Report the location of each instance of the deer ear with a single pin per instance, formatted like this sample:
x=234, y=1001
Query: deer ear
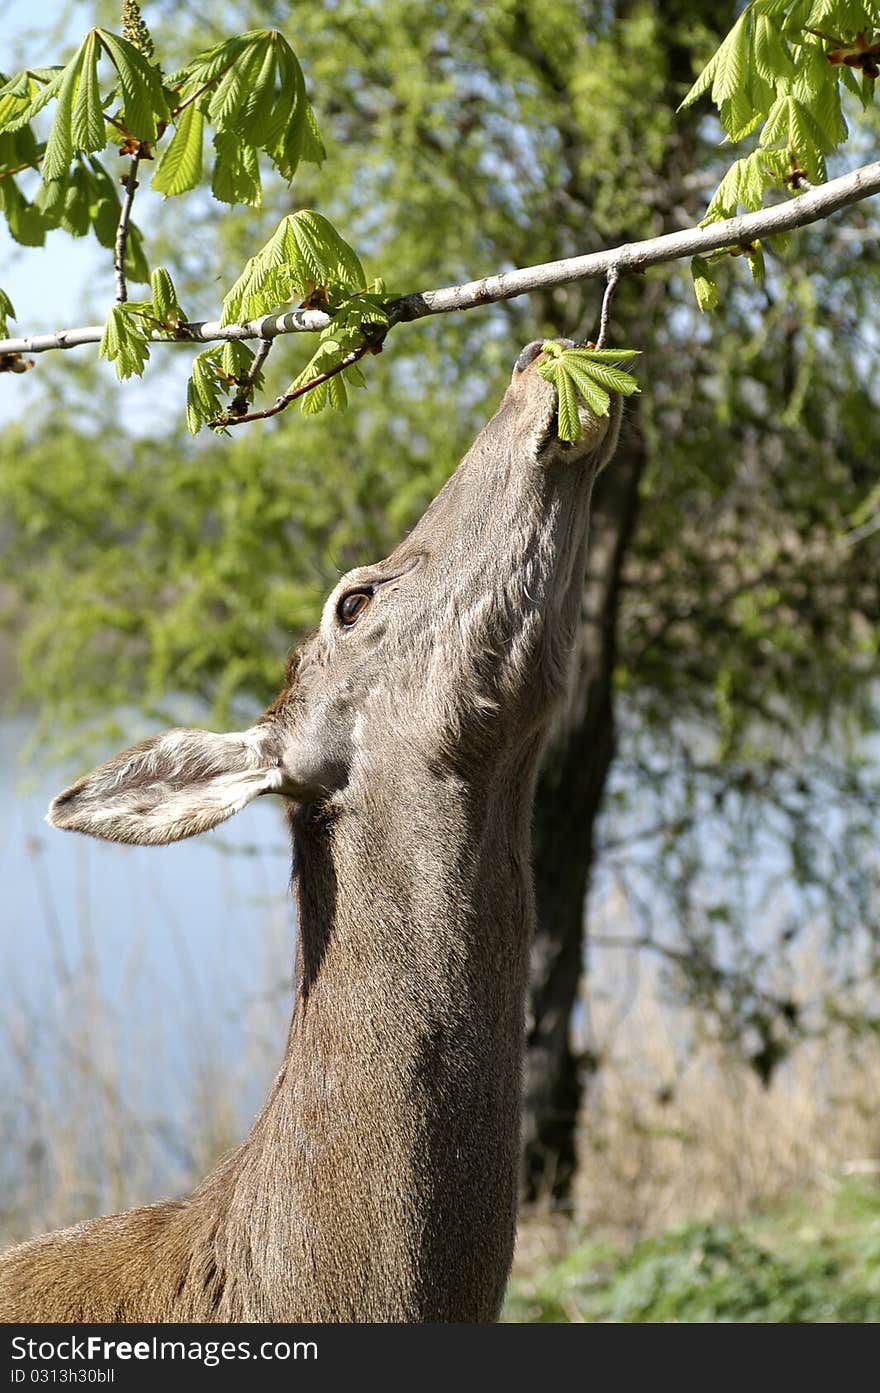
x=172, y=786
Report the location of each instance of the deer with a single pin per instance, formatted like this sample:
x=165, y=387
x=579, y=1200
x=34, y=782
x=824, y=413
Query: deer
x=379, y=1180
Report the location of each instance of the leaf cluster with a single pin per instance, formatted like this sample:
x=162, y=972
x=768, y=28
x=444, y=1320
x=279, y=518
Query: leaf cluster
x=251, y=90
x=591, y=374
x=780, y=74
x=131, y=323
x=304, y=259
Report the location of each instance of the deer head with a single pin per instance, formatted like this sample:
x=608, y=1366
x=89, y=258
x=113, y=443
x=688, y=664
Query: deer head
x=448, y=652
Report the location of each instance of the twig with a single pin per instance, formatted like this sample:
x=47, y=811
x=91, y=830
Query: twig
x=194, y=96
x=611, y=283
x=238, y=405
x=281, y=403
x=806, y=208
x=17, y=168
x=130, y=185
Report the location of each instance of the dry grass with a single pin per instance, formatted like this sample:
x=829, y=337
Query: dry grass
x=103, y=1107
x=677, y=1127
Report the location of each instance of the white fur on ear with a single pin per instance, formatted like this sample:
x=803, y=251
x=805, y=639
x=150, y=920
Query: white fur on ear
x=172, y=786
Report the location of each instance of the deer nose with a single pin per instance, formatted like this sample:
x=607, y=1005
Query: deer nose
x=528, y=355
x=532, y=351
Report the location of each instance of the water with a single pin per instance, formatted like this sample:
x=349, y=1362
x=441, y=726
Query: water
x=150, y=981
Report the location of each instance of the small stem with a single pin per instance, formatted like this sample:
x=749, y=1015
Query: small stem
x=281, y=403
x=112, y=121
x=194, y=96
x=16, y=169
x=238, y=405
x=611, y=283
x=130, y=185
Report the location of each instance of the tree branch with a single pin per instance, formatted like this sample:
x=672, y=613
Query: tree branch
x=239, y=404
x=282, y=402
x=810, y=207
x=611, y=283
x=130, y=184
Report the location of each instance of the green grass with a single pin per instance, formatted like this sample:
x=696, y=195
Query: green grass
x=807, y=1262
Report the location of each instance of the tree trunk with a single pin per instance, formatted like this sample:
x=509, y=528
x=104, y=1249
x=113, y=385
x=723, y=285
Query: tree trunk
x=569, y=796
x=580, y=753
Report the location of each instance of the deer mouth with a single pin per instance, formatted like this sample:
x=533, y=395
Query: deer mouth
x=534, y=350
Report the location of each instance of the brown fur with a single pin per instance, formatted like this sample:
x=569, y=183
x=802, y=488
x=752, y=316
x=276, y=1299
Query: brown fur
x=379, y=1181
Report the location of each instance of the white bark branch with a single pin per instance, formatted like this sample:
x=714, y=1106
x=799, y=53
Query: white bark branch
x=809, y=207
x=130, y=184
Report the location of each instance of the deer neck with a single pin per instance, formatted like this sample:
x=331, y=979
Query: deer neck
x=387, y=1152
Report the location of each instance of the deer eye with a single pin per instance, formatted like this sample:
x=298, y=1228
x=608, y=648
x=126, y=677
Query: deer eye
x=352, y=606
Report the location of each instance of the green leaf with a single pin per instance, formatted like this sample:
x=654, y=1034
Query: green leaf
x=26, y=224
x=50, y=198
x=135, y=265
x=743, y=184
x=588, y=373
x=569, y=420
x=755, y=257
x=851, y=82
x=247, y=296
x=255, y=118
x=236, y=359
x=143, y=95
x=606, y=376
x=601, y=355
x=165, y=305
x=18, y=148
x=322, y=253
x=294, y=133
x=26, y=95
x=203, y=391
x=123, y=342
x=105, y=203
x=195, y=416
x=315, y=400
x=702, y=84
x=88, y=126
x=75, y=216
x=705, y=287
x=336, y=392
x=59, y=146
x=305, y=251
x=730, y=86
x=236, y=171
x=234, y=88
x=354, y=377
x=771, y=54
x=208, y=64
x=256, y=93
x=6, y=312
x=180, y=167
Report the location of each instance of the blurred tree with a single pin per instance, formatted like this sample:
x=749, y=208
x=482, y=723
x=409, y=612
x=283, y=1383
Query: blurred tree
x=723, y=681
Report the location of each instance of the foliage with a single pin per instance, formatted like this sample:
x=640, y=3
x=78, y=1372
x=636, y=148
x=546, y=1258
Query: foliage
x=774, y=67
x=589, y=373
x=785, y=67
x=793, y=1267
x=251, y=91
